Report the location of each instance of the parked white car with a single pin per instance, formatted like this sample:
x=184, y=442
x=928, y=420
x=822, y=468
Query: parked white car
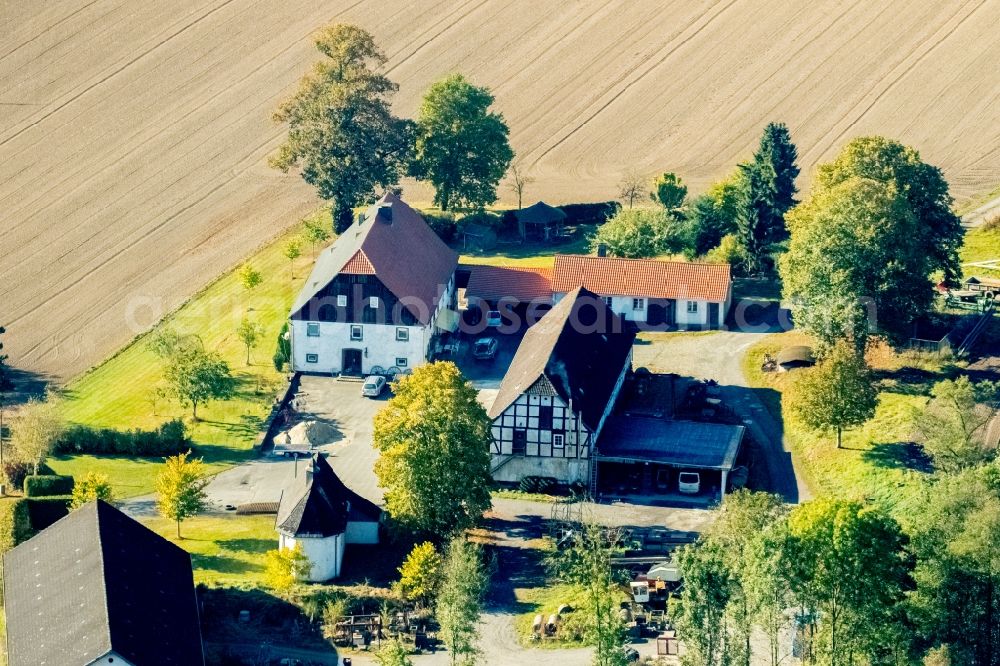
x=373, y=386
x=689, y=483
x=493, y=319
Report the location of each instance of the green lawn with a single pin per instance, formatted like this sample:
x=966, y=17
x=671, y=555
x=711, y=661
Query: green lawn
x=532, y=254
x=225, y=550
x=118, y=392
x=980, y=245
x=877, y=462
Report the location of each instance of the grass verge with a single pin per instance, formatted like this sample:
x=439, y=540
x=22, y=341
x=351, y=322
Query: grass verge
x=119, y=392
x=546, y=601
x=980, y=244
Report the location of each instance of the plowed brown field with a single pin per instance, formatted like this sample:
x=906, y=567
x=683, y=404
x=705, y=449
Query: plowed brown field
x=133, y=134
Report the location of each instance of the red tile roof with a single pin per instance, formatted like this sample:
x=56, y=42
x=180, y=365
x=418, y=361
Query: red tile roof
x=491, y=283
x=642, y=278
x=358, y=265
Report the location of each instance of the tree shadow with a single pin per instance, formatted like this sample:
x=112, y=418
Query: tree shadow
x=248, y=545
x=25, y=386
x=222, y=563
x=899, y=455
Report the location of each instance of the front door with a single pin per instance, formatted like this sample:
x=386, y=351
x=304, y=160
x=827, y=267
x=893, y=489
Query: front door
x=352, y=362
x=656, y=315
x=713, y=315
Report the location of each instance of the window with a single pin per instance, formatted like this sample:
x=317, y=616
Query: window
x=608, y=301
x=558, y=441
x=638, y=303
x=312, y=358
x=402, y=334
x=312, y=330
x=545, y=417
x=373, y=302
x=357, y=333
x=342, y=300
x=692, y=307
x=401, y=362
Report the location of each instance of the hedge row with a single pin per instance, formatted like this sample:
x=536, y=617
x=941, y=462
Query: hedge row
x=590, y=213
x=48, y=485
x=15, y=523
x=167, y=440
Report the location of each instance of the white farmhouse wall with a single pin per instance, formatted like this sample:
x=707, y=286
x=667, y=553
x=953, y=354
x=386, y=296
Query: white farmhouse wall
x=379, y=340
x=566, y=470
x=326, y=554
x=365, y=532
x=685, y=318
x=623, y=306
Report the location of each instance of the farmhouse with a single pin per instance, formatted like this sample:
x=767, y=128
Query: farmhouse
x=378, y=298
x=650, y=291
x=559, y=390
x=97, y=587
x=323, y=515
x=488, y=286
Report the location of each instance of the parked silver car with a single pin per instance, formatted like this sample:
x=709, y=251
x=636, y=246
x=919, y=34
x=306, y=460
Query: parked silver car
x=373, y=386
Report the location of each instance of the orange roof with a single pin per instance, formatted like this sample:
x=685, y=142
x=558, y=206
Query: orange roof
x=358, y=264
x=642, y=278
x=491, y=283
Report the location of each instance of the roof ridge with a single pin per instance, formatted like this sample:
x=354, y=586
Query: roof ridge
x=103, y=570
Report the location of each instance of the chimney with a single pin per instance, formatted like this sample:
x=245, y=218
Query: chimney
x=361, y=218
x=602, y=250
x=309, y=471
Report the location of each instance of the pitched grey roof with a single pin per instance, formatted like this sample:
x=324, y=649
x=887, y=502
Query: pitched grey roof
x=394, y=242
x=95, y=582
x=319, y=504
x=540, y=213
x=580, y=347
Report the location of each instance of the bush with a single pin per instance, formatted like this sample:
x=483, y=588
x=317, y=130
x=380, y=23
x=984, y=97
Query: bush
x=283, y=349
x=43, y=511
x=48, y=485
x=639, y=233
x=15, y=523
x=590, y=213
x=991, y=224
x=167, y=440
x=538, y=484
x=443, y=225
x=15, y=472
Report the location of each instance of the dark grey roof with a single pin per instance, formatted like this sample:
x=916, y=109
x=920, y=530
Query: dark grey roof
x=580, y=346
x=393, y=241
x=680, y=443
x=97, y=582
x=319, y=504
x=796, y=355
x=540, y=213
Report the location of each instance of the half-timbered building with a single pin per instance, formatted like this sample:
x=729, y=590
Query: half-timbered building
x=559, y=390
x=377, y=298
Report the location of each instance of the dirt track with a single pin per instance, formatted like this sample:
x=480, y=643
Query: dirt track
x=133, y=134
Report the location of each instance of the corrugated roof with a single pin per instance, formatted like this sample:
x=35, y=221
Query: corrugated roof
x=681, y=443
x=97, y=581
x=393, y=242
x=319, y=504
x=642, y=278
x=580, y=347
x=492, y=283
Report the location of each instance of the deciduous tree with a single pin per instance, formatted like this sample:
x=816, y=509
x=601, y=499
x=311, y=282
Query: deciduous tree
x=638, y=233
x=631, y=187
x=249, y=333
x=433, y=441
x=854, y=265
x=838, y=393
x=849, y=569
x=341, y=130
x=6, y=385
x=670, y=192
x=420, y=574
x=94, y=486
x=519, y=180
x=712, y=215
x=284, y=567
x=180, y=489
x=292, y=251
x=700, y=611
x=250, y=278
x=38, y=426
x=194, y=375
x=953, y=426
x=315, y=233
x=459, y=601
x=461, y=146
